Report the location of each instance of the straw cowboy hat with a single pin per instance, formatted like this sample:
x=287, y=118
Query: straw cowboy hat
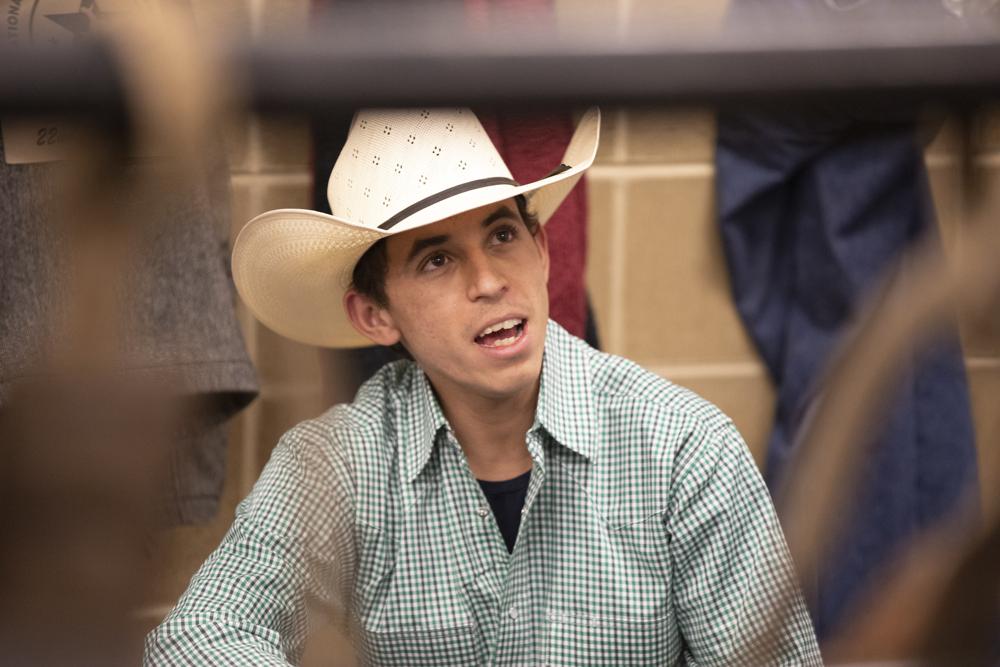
x=399, y=170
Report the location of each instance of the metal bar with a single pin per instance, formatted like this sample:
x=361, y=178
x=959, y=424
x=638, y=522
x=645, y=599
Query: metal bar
x=84, y=79
x=435, y=60
x=325, y=80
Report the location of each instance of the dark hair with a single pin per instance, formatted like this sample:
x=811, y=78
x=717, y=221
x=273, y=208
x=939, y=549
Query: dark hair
x=370, y=271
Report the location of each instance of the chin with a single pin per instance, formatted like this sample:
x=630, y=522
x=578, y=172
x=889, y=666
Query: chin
x=517, y=381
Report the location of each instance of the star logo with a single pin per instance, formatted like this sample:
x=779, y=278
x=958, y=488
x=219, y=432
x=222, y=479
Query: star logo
x=80, y=22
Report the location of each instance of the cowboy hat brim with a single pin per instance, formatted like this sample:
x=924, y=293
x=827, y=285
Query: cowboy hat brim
x=292, y=266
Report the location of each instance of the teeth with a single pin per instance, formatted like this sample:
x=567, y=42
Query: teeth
x=505, y=342
x=507, y=324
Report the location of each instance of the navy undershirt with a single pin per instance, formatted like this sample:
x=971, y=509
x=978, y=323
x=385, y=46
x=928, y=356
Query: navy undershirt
x=506, y=499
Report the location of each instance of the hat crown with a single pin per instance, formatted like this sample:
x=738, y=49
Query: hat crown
x=396, y=158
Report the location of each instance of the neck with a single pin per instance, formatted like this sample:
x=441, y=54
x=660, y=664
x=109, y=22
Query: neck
x=492, y=431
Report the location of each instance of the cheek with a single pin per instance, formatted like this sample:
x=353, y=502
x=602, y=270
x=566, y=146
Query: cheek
x=427, y=318
x=428, y=329
x=432, y=339
x=530, y=272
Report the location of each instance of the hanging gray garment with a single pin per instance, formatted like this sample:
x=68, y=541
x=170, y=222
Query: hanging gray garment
x=181, y=303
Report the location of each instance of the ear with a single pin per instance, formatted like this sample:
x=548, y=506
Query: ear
x=542, y=243
x=370, y=319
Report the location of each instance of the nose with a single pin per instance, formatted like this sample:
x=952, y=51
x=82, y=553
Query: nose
x=485, y=279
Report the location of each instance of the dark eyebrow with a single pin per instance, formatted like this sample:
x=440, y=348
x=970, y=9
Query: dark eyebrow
x=420, y=244
x=502, y=212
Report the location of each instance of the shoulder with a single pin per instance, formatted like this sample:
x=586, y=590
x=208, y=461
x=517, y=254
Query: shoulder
x=625, y=390
x=653, y=428
x=353, y=433
x=629, y=401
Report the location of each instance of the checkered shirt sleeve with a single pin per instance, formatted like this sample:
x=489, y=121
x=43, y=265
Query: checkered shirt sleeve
x=290, y=547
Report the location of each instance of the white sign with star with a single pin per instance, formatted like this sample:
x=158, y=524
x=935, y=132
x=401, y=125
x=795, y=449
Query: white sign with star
x=54, y=23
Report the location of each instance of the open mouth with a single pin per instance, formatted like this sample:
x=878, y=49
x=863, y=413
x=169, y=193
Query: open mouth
x=501, y=334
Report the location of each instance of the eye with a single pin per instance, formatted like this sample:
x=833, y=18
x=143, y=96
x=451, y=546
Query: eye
x=505, y=234
x=434, y=262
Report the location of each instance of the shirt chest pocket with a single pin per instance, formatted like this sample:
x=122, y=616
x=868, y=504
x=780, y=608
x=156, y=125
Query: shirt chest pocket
x=593, y=639
x=613, y=608
x=411, y=614
x=444, y=646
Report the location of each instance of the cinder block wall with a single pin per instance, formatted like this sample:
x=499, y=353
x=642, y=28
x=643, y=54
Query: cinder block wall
x=656, y=274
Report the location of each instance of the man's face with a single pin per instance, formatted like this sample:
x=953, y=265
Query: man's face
x=468, y=298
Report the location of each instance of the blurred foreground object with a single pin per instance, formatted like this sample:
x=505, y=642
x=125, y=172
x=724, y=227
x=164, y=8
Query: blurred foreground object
x=86, y=429
x=940, y=600
x=80, y=456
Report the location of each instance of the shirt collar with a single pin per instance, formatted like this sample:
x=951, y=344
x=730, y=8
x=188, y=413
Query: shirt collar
x=428, y=420
x=565, y=404
x=565, y=400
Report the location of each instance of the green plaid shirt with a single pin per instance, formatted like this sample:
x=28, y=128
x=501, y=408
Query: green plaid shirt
x=647, y=535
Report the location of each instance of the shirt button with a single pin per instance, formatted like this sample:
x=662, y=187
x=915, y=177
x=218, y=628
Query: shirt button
x=483, y=512
x=512, y=612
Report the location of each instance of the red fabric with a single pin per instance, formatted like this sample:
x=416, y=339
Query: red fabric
x=532, y=13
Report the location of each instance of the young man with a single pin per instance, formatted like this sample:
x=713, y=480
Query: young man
x=511, y=496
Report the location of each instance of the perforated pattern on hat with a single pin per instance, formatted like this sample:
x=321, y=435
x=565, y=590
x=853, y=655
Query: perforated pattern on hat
x=432, y=151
